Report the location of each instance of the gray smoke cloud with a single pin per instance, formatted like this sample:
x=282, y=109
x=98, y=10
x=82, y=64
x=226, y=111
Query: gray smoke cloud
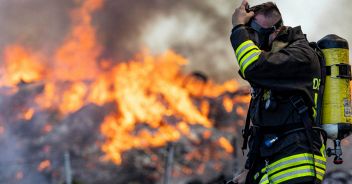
x=198, y=30
x=38, y=24
x=202, y=34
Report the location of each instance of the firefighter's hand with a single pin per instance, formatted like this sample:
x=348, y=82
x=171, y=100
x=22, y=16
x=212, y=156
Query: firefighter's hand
x=241, y=16
x=241, y=178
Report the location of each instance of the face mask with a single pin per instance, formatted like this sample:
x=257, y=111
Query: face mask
x=264, y=33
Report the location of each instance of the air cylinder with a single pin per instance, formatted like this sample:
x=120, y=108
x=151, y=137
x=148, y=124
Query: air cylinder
x=336, y=112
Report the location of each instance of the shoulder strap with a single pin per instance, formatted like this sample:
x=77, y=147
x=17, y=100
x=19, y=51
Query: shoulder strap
x=299, y=104
x=302, y=109
x=246, y=132
x=318, y=51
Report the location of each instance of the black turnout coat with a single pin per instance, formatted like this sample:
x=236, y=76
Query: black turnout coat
x=291, y=68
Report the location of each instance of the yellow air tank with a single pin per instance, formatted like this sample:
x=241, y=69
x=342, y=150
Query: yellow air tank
x=336, y=104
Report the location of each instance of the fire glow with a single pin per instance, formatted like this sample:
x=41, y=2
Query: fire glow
x=43, y=165
x=152, y=97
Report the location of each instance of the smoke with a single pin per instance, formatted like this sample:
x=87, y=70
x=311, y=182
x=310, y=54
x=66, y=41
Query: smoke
x=38, y=24
x=199, y=30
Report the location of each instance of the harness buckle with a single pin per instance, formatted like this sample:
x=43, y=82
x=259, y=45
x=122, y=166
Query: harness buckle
x=299, y=104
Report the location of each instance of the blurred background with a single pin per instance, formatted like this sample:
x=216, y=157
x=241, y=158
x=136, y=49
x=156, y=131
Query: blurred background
x=117, y=91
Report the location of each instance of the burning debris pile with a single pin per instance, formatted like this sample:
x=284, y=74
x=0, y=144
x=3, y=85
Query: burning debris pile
x=116, y=121
x=121, y=132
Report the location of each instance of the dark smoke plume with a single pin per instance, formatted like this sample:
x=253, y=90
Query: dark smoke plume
x=198, y=30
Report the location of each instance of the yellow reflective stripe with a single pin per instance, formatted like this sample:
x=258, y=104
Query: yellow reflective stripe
x=297, y=172
x=298, y=175
x=318, y=159
x=264, y=179
x=315, y=99
x=320, y=165
x=315, y=105
x=314, y=113
x=246, y=49
x=254, y=57
x=248, y=56
x=293, y=173
x=263, y=170
x=295, y=162
x=243, y=44
x=322, y=151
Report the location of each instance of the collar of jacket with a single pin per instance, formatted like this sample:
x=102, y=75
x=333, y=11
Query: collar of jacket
x=290, y=35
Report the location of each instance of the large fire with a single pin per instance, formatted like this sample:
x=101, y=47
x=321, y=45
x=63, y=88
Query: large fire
x=153, y=98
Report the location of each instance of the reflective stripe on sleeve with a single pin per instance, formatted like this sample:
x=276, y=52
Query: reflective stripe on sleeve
x=246, y=54
x=245, y=49
x=244, y=44
x=250, y=58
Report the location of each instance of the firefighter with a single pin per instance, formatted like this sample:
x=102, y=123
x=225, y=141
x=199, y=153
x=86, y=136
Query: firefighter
x=285, y=144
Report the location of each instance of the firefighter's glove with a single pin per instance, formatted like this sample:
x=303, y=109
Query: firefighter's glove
x=241, y=178
x=241, y=16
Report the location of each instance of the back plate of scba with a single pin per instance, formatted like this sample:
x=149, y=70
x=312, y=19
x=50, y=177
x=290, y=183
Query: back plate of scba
x=337, y=111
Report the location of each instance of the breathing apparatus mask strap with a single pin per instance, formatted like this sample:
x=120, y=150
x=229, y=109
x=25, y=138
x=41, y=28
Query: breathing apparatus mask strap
x=264, y=33
x=254, y=25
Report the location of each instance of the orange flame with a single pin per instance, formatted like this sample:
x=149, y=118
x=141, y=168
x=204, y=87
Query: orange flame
x=20, y=65
x=73, y=98
x=207, y=134
x=80, y=46
x=241, y=111
x=147, y=91
x=228, y=103
x=226, y=144
x=28, y=114
x=45, y=164
x=149, y=101
x=183, y=128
